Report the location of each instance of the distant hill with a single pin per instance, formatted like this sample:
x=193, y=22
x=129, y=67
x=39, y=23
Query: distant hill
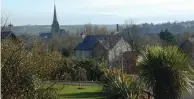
x=36, y=29
x=175, y=27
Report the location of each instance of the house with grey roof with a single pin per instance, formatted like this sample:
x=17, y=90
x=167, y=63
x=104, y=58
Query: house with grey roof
x=7, y=32
x=105, y=47
x=188, y=46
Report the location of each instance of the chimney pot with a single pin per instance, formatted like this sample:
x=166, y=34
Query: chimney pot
x=10, y=26
x=117, y=27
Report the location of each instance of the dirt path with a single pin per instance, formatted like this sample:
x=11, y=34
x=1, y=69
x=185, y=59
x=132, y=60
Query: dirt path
x=85, y=83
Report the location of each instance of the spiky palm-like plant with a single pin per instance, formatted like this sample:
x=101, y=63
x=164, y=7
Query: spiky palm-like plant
x=166, y=71
x=118, y=85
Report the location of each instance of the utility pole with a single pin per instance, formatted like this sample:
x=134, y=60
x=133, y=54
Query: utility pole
x=122, y=60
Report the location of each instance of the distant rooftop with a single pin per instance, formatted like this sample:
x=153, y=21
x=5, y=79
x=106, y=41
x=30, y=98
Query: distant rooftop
x=45, y=35
x=108, y=41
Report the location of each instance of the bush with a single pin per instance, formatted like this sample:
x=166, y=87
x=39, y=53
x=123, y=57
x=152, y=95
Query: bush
x=121, y=86
x=94, y=68
x=43, y=63
x=65, y=52
x=69, y=67
x=65, y=70
x=22, y=72
x=80, y=74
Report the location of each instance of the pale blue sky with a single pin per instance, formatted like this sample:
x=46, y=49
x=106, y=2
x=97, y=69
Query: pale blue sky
x=40, y=12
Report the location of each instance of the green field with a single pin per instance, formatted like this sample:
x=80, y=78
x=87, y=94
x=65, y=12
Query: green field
x=72, y=92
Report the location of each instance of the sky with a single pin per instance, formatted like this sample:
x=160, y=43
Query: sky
x=71, y=12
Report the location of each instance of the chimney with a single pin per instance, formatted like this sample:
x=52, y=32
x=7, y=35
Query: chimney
x=83, y=35
x=10, y=27
x=117, y=27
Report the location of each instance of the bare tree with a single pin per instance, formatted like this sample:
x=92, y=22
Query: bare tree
x=182, y=37
x=92, y=29
x=131, y=35
x=88, y=29
x=4, y=20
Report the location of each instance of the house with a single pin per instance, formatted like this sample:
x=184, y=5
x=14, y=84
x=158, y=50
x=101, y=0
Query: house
x=45, y=35
x=7, y=32
x=188, y=46
x=105, y=47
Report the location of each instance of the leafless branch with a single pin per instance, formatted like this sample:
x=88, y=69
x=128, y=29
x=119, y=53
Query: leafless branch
x=4, y=24
x=12, y=55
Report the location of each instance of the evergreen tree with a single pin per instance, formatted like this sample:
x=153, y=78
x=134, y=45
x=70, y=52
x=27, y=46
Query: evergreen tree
x=167, y=37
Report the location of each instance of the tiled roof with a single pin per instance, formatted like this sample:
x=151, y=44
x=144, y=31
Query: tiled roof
x=180, y=44
x=191, y=40
x=192, y=36
x=6, y=34
x=108, y=41
x=88, y=43
x=45, y=35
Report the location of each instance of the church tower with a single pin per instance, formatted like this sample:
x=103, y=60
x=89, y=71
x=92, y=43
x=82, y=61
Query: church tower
x=55, y=25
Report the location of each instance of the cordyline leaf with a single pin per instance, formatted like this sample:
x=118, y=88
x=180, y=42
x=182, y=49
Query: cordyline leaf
x=166, y=71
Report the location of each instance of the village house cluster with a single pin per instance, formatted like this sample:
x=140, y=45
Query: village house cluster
x=112, y=49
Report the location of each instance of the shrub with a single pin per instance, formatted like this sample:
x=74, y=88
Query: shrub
x=65, y=52
x=166, y=71
x=21, y=74
x=118, y=85
x=43, y=63
x=69, y=67
x=66, y=70
x=93, y=68
x=80, y=74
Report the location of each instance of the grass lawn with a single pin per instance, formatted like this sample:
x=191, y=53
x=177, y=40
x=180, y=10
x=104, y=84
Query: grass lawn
x=72, y=92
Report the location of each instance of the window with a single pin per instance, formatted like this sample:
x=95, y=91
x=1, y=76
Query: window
x=78, y=53
x=82, y=53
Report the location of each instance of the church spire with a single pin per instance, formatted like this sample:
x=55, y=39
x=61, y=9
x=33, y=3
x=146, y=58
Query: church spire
x=55, y=14
x=55, y=25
